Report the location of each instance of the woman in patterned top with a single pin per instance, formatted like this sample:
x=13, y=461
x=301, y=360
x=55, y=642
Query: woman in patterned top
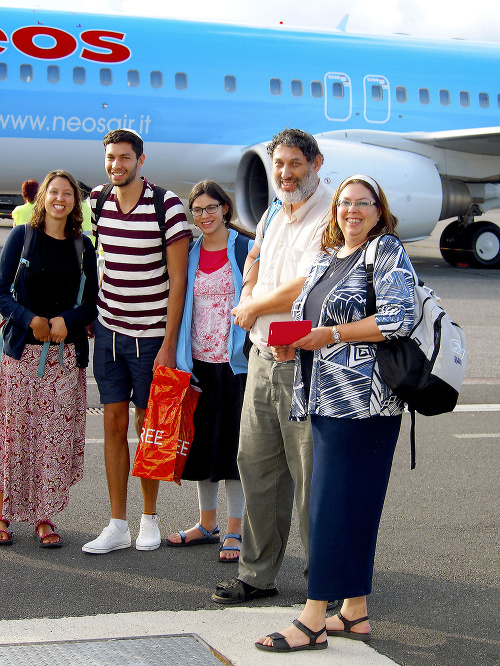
x=355, y=417
x=210, y=346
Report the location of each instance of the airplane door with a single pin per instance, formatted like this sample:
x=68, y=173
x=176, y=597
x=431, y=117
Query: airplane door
x=338, y=97
x=377, y=98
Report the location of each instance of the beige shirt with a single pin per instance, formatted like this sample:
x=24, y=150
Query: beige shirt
x=288, y=251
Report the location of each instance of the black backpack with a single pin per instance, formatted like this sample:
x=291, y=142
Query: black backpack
x=159, y=204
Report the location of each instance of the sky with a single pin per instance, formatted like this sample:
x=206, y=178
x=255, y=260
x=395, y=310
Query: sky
x=477, y=21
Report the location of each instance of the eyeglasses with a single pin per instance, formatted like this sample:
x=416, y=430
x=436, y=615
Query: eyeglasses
x=362, y=203
x=211, y=209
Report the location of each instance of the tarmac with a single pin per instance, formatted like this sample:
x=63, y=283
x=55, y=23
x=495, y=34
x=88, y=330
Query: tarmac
x=435, y=562
x=225, y=635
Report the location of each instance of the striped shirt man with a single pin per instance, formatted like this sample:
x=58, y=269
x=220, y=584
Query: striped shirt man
x=134, y=292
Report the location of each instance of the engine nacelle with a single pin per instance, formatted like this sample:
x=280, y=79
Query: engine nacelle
x=417, y=194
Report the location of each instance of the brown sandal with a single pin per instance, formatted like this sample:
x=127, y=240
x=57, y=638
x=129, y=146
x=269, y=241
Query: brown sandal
x=39, y=538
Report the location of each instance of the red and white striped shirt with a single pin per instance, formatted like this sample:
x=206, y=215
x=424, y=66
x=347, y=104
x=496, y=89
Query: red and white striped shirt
x=134, y=292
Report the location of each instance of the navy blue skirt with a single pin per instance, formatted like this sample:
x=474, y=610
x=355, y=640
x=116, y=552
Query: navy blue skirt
x=352, y=465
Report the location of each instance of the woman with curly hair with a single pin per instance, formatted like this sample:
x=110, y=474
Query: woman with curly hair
x=43, y=386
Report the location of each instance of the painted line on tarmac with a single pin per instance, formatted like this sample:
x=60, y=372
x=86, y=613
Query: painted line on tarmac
x=483, y=435
x=98, y=411
x=477, y=408
x=481, y=380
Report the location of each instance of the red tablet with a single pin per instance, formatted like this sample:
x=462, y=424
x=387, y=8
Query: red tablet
x=286, y=332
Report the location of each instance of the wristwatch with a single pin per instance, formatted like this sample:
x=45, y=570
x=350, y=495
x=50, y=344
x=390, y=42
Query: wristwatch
x=335, y=335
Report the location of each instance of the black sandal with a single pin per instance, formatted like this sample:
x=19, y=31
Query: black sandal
x=280, y=643
x=346, y=631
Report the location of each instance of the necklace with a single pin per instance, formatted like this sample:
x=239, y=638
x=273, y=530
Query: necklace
x=355, y=251
x=332, y=272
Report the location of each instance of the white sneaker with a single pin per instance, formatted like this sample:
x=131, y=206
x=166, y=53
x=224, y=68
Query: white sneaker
x=149, y=534
x=109, y=539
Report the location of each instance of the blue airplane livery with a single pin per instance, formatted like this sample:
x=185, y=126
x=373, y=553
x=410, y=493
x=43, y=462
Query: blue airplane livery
x=422, y=117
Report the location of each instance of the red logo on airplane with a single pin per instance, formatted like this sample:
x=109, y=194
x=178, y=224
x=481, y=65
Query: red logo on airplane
x=104, y=46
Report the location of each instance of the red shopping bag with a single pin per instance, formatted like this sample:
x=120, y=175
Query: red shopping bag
x=168, y=429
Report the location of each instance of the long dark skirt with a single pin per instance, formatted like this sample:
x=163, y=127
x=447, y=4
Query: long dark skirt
x=352, y=465
x=216, y=422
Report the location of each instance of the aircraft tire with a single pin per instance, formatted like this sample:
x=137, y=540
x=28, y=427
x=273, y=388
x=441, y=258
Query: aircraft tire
x=453, y=245
x=483, y=240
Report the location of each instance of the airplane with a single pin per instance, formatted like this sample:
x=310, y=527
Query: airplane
x=421, y=117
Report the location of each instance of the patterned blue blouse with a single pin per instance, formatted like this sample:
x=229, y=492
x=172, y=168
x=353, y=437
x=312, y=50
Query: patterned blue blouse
x=345, y=381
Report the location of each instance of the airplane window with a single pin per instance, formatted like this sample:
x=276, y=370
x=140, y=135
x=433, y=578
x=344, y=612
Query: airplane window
x=181, y=81
x=79, y=75
x=377, y=93
x=444, y=97
x=133, y=78
x=338, y=90
x=296, y=87
x=424, y=96
x=275, y=86
x=53, y=74
x=230, y=83
x=484, y=100
x=3, y=71
x=316, y=89
x=464, y=98
x=26, y=73
x=156, y=80
x=105, y=76
x=401, y=95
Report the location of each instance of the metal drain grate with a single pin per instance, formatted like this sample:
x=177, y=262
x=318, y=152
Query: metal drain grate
x=178, y=649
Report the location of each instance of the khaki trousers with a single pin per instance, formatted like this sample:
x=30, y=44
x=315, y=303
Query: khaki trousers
x=275, y=460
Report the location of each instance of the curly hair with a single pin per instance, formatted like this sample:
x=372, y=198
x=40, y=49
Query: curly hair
x=214, y=190
x=74, y=220
x=332, y=235
x=295, y=138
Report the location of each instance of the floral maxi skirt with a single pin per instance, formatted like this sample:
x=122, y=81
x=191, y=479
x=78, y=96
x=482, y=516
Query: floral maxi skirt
x=42, y=432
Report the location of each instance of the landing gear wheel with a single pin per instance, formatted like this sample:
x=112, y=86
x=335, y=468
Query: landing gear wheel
x=483, y=240
x=453, y=245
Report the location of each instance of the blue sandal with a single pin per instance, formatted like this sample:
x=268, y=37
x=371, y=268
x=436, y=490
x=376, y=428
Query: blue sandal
x=231, y=560
x=208, y=537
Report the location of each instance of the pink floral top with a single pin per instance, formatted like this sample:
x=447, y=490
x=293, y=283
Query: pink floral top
x=212, y=304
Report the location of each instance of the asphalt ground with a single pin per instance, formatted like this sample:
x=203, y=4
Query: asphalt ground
x=436, y=583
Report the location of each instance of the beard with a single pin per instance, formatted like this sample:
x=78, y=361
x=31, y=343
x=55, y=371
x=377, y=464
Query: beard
x=130, y=177
x=305, y=187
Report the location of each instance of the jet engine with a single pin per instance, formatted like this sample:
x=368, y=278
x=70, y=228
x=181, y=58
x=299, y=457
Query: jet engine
x=418, y=195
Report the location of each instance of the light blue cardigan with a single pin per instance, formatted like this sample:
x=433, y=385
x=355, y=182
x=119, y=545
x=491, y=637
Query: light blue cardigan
x=184, y=359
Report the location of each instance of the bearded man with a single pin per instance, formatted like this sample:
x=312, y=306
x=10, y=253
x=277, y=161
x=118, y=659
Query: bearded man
x=275, y=457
